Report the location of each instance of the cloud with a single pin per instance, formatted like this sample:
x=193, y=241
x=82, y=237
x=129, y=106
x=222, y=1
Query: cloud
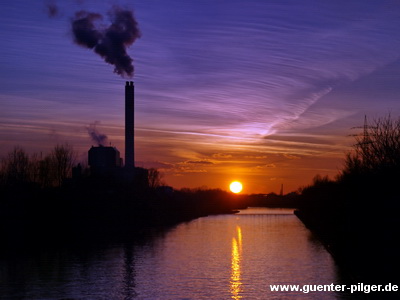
x=199, y=162
x=156, y=164
x=52, y=9
x=222, y=155
x=189, y=170
x=291, y=156
x=268, y=166
x=292, y=66
x=256, y=157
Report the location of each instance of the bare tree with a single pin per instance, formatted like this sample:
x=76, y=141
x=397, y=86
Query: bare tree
x=45, y=172
x=62, y=158
x=377, y=148
x=154, y=177
x=18, y=167
x=15, y=166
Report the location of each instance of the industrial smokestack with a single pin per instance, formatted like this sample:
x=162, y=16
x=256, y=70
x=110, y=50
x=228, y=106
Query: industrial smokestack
x=129, y=124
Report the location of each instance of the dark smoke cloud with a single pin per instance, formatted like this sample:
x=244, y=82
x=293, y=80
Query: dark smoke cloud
x=109, y=42
x=52, y=9
x=99, y=138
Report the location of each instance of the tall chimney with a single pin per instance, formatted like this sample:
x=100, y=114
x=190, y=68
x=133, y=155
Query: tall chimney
x=129, y=124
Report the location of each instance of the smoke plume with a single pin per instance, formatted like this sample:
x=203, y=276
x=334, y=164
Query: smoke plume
x=99, y=138
x=52, y=9
x=109, y=42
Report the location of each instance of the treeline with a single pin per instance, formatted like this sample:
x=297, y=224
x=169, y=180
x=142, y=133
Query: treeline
x=290, y=200
x=356, y=214
x=18, y=168
x=40, y=201
x=99, y=209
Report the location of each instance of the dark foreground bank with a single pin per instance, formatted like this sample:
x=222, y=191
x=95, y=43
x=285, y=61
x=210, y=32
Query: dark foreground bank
x=360, y=232
x=99, y=209
x=356, y=215
x=107, y=208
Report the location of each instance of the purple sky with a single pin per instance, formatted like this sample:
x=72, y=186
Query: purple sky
x=260, y=91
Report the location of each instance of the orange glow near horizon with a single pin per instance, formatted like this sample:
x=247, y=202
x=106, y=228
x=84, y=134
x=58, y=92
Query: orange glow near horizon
x=260, y=173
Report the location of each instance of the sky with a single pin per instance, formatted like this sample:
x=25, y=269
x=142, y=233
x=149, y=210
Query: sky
x=264, y=92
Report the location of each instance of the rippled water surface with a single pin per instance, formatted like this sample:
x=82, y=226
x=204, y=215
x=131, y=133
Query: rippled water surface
x=217, y=257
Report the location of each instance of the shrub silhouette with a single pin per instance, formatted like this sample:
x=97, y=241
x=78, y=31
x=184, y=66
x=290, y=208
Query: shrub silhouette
x=17, y=167
x=356, y=214
x=377, y=150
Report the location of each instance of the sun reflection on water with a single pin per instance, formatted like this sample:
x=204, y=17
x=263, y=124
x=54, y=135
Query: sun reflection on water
x=236, y=283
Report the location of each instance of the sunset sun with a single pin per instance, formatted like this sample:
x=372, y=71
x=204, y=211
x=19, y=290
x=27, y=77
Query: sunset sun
x=236, y=187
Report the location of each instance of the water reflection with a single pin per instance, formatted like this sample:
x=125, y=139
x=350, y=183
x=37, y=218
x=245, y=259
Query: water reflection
x=216, y=257
x=129, y=283
x=235, y=266
x=239, y=234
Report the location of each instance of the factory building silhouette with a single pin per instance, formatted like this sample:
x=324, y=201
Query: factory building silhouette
x=106, y=160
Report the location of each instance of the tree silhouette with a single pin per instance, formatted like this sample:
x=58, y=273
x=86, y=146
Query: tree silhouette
x=15, y=167
x=18, y=168
x=154, y=178
x=376, y=150
x=62, y=159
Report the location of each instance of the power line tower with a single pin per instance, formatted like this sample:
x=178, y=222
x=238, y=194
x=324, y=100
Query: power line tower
x=365, y=135
x=366, y=139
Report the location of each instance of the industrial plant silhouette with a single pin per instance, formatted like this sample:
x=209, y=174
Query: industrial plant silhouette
x=106, y=160
x=112, y=198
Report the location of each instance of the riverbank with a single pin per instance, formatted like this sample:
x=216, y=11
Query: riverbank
x=370, y=257
x=104, y=208
x=100, y=210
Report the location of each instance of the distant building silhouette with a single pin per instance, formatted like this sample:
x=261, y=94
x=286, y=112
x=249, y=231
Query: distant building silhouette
x=77, y=172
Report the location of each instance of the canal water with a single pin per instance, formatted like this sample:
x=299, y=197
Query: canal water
x=217, y=257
